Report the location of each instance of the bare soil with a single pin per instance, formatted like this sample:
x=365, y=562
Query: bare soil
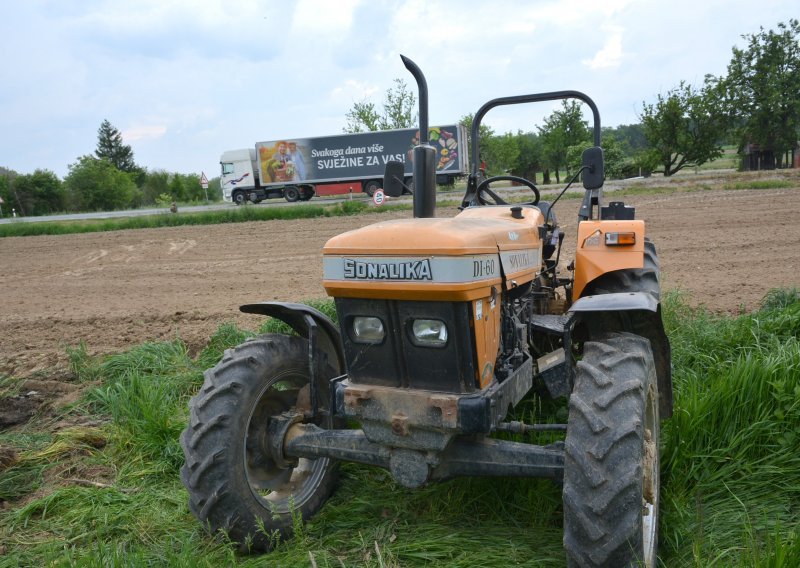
x=725, y=249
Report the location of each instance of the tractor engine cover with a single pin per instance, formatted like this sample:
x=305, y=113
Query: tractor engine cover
x=426, y=270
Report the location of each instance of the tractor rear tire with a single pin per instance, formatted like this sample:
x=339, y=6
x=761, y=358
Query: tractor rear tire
x=235, y=486
x=645, y=279
x=611, y=467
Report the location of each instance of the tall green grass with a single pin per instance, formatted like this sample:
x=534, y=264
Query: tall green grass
x=730, y=469
x=731, y=452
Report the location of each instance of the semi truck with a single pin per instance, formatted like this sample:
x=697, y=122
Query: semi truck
x=299, y=168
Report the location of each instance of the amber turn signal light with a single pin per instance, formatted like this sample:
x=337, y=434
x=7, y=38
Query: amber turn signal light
x=620, y=239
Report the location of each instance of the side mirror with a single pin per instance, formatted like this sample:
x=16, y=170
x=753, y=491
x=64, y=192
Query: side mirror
x=393, y=178
x=594, y=173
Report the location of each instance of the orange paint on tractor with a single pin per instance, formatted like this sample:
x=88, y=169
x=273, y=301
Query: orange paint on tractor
x=469, y=255
x=593, y=257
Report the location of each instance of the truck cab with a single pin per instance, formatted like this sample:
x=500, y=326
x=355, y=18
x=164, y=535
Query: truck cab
x=238, y=173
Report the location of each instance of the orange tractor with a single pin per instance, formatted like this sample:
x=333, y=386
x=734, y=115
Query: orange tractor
x=444, y=326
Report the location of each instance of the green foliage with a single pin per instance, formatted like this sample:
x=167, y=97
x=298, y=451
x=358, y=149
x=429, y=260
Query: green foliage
x=84, y=367
x=398, y=111
x=630, y=137
x=97, y=185
x=501, y=153
x=616, y=165
x=530, y=158
x=761, y=89
x=730, y=454
x=38, y=193
x=144, y=391
x=760, y=184
x=684, y=128
x=110, y=147
x=561, y=130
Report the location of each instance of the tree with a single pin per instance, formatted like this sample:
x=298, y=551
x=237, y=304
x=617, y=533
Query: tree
x=110, y=147
x=614, y=163
x=39, y=193
x=683, y=128
x=97, y=185
x=501, y=153
x=177, y=189
x=362, y=118
x=562, y=129
x=762, y=91
x=398, y=111
x=155, y=183
x=6, y=194
x=630, y=137
x=531, y=155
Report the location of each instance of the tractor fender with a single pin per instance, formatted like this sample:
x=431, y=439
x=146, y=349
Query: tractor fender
x=645, y=315
x=618, y=301
x=296, y=316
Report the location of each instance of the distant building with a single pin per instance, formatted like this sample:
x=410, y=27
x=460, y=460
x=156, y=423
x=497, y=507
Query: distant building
x=755, y=158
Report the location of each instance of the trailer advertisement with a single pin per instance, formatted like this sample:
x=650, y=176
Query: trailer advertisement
x=311, y=159
x=299, y=168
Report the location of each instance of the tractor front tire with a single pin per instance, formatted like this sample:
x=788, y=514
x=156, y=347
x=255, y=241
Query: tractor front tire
x=611, y=467
x=235, y=486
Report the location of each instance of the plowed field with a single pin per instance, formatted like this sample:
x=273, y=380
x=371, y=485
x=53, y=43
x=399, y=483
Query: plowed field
x=723, y=248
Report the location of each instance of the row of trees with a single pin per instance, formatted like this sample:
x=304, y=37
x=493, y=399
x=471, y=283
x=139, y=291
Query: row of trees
x=106, y=180
x=756, y=107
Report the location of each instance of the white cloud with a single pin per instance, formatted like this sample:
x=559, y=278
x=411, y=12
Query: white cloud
x=143, y=132
x=323, y=17
x=354, y=91
x=609, y=56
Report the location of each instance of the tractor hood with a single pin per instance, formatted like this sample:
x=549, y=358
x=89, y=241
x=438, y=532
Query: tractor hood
x=456, y=259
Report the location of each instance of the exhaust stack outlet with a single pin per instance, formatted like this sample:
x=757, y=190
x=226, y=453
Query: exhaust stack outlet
x=424, y=154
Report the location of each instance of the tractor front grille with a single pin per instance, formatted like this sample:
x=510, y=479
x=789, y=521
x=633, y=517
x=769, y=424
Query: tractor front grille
x=399, y=361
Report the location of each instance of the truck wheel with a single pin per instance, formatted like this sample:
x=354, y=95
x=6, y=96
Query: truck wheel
x=611, y=470
x=291, y=194
x=371, y=186
x=307, y=193
x=239, y=198
x=234, y=484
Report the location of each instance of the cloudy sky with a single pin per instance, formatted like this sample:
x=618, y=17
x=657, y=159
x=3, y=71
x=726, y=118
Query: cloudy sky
x=184, y=80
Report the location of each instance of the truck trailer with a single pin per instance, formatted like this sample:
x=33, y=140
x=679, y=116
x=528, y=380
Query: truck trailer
x=299, y=168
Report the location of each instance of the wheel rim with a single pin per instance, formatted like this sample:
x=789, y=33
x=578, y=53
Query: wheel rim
x=651, y=482
x=281, y=490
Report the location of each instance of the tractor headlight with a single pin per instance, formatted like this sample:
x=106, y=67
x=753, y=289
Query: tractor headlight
x=429, y=332
x=368, y=329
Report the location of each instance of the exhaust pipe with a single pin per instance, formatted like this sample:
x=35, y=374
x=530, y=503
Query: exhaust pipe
x=424, y=167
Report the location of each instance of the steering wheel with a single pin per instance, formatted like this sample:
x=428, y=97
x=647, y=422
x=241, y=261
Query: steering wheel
x=483, y=187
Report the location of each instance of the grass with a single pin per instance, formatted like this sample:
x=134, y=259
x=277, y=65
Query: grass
x=730, y=469
x=762, y=184
x=231, y=215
